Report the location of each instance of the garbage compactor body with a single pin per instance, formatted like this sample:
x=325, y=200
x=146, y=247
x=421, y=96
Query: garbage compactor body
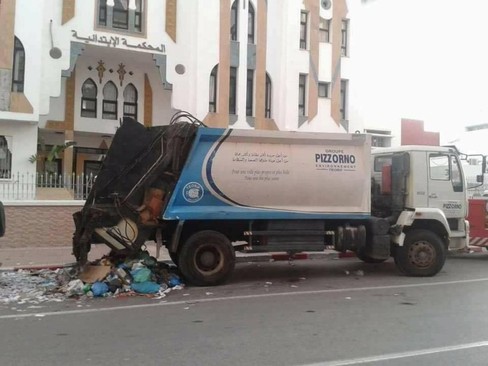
x=251, y=175
x=205, y=193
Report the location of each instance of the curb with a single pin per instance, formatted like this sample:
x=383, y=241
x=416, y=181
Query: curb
x=240, y=258
x=50, y=267
x=475, y=249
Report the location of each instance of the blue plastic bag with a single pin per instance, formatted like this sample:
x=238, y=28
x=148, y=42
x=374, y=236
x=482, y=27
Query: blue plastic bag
x=174, y=280
x=99, y=289
x=141, y=275
x=147, y=287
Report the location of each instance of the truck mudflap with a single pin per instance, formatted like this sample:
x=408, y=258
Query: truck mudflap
x=133, y=185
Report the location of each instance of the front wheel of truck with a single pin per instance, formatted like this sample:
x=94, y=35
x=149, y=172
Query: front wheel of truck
x=207, y=258
x=422, y=255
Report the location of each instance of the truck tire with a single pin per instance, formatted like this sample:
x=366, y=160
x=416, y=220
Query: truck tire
x=423, y=254
x=207, y=258
x=2, y=220
x=367, y=259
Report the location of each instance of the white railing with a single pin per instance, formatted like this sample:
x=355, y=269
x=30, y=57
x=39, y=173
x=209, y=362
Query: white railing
x=32, y=186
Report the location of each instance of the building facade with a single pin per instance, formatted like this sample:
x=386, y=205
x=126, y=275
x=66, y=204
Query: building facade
x=71, y=69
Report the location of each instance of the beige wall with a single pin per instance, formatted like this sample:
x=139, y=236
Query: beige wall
x=221, y=118
x=80, y=161
x=69, y=7
x=54, y=194
x=339, y=13
x=7, y=21
x=148, y=102
x=262, y=123
x=68, y=124
x=19, y=103
x=38, y=226
x=313, y=8
x=171, y=17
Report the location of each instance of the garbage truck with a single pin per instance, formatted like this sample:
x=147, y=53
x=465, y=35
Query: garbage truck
x=205, y=193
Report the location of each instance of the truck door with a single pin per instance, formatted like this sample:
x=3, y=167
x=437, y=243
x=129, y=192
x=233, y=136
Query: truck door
x=446, y=189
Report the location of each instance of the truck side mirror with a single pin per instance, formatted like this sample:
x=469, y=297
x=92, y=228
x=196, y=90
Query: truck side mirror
x=479, y=178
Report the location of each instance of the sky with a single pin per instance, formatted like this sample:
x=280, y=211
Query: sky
x=420, y=59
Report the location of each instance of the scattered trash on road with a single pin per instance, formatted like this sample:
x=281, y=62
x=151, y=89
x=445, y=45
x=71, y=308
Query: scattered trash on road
x=109, y=276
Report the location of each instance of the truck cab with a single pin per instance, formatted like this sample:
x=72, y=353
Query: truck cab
x=433, y=190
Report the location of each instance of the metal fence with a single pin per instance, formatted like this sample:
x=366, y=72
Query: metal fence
x=28, y=186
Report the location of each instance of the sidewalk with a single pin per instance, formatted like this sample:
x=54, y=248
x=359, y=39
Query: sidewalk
x=55, y=257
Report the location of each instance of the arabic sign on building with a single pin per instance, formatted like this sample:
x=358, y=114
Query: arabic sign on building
x=116, y=41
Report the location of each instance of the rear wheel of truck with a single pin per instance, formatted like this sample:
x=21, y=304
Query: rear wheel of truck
x=422, y=255
x=207, y=258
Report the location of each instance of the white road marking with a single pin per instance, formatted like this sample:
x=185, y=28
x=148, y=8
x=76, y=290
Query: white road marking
x=244, y=297
x=395, y=356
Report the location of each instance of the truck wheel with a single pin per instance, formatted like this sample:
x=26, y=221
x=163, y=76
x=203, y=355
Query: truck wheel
x=207, y=258
x=367, y=259
x=423, y=254
x=2, y=220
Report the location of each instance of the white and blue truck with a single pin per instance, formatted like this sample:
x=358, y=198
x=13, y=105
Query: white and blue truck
x=205, y=193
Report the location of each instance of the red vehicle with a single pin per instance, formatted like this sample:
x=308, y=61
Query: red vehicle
x=478, y=222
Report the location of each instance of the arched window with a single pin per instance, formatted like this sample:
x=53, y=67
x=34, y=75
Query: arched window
x=130, y=101
x=249, y=92
x=267, y=107
x=18, y=67
x=5, y=158
x=251, y=24
x=138, y=16
x=109, y=110
x=121, y=14
x=233, y=20
x=89, y=93
x=102, y=12
x=233, y=90
x=212, y=101
x=122, y=17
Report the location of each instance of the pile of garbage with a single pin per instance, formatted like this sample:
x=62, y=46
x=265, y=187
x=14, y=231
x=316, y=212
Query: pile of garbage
x=112, y=275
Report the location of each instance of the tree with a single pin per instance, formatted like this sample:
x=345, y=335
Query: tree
x=51, y=155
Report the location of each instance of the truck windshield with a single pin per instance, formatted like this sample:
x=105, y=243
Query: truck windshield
x=457, y=181
x=446, y=167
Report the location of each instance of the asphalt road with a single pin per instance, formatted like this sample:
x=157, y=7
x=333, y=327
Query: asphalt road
x=315, y=312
